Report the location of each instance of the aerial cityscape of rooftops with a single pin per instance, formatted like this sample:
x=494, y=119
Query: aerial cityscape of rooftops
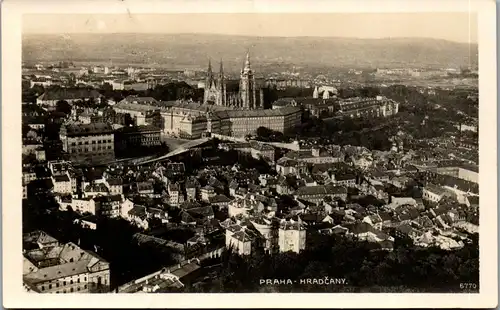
x=158, y=163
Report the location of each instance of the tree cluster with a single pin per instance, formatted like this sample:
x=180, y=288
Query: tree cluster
x=166, y=92
x=406, y=269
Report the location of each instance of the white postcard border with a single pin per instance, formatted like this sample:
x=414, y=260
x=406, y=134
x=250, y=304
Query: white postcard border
x=15, y=297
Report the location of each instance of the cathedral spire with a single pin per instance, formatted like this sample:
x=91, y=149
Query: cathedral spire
x=247, y=62
x=221, y=71
x=209, y=66
x=210, y=74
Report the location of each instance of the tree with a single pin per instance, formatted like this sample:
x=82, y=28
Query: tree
x=264, y=132
x=25, y=129
x=63, y=107
x=128, y=121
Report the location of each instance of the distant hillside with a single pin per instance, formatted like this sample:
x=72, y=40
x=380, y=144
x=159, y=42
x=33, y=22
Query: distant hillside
x=194, y=49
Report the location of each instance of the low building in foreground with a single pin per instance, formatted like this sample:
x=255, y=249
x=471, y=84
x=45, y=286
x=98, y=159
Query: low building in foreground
x=167, y=279
x=51, y=267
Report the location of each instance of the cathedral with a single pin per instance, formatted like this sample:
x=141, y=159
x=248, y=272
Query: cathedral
x=245, y=98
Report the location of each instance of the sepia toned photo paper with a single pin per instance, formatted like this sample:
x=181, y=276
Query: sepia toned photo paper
x=226, y=154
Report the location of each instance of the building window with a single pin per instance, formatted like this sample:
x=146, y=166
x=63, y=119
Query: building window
x=43, y=288
x=71, y=290
x=50, y=286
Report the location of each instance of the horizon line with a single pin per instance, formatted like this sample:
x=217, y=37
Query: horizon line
x=245, y=35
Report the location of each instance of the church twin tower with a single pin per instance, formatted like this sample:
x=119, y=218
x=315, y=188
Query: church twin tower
x=245, y=98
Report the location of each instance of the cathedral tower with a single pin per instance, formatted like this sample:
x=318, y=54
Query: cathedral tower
x=222, y=86
x=247, y=86
x=315, y=93
x=215, y=87
x=210, y=91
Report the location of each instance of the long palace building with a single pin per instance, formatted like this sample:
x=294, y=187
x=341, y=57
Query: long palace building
x=191, y=120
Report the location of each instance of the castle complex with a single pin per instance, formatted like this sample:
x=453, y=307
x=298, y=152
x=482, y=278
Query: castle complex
x=237, y=113
x=229, y=113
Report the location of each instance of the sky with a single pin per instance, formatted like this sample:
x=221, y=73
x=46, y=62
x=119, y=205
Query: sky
x=455, y=26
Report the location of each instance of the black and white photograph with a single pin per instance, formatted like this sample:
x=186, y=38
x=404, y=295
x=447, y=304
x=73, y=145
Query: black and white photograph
x=252, y=152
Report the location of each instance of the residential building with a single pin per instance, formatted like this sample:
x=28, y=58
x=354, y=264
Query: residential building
x=51, y=267
x=315, y=156
x=62, y=184
x=466, y=172
x=255, y=149
x=28, y=175
x=316, y=194
x=137, y=137
x=52, y=95
x=165, y=280
x=59, y=167
x=241, y=239
x=243, y=206
x=145, y=188
x=139, y=108
x=197, y=216
x=346, y=179
x=88, y=143
x=80, y=205
x=286, y=166
x=115, y=186
x=374, y=107
x=176, y=197
x=25, y=191
x=192, y=186
x=291, y=236
x=34, y=148
x=207, y=192
x=89, y=222
x=109, y=206
x=95, y=189
x=433, y=193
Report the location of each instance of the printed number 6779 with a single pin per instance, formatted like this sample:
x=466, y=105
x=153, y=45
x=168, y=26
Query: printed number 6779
x=468, y=286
